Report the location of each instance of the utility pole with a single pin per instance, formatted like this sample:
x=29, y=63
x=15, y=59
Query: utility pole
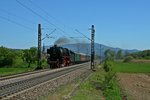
x=92, y=48
x=39, y=47
x=43, y=50
x=40, y=39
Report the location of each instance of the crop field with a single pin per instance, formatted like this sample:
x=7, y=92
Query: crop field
x=131, y=67
x=134, y=79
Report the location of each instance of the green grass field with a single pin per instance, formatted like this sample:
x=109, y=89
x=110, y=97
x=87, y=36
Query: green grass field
x=19, y=67
x=87, y=90
x=92, y=88
x=15, y=70
x=131, y=67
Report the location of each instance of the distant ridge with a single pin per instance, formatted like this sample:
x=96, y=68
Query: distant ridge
x=85, y=48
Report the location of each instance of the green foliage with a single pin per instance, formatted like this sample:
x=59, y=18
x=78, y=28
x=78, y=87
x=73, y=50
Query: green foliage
x=147, y=57
x=30, y=55
x=108, y=64
x=109, y=60
x=109, y=54
x=119, y=54
x=128, y=59
x=112, y=91
x=107, y=78
x=100, y=83
x=14, y=70
x=89, y=90
x=109, y=85
x=141, y=54
x=7, y=56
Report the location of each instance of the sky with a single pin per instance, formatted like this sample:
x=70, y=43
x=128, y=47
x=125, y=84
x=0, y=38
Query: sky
x=118, y=23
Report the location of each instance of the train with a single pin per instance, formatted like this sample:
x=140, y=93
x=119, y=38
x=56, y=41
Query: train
x=62, y=57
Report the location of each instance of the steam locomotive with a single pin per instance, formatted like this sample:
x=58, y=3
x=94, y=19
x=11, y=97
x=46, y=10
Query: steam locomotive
x=61, y=57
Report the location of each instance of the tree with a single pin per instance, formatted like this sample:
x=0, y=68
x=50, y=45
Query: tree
x=109, y=54
x=119, y=54
x=141, y=54
x=107, y=65
x=126, y=53
x=128, y=59
x=30, y=55
x=7, y=56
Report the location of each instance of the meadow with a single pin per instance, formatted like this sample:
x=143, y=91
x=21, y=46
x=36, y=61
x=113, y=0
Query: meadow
x=20, y=67
x=131, y=67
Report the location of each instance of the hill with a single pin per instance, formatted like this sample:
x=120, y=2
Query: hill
x=99, y=48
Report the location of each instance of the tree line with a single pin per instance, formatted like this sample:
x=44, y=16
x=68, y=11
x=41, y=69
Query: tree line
x=8, y=57
x=145, y=54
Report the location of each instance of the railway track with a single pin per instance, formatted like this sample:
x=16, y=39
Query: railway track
x=15, y=87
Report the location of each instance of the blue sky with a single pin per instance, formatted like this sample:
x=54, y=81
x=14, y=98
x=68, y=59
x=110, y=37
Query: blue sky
x=118, y=23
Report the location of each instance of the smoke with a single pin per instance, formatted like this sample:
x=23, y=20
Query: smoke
x=64, y=40
x=81, y=41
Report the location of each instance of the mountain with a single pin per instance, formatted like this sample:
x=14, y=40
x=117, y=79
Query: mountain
x=99, y=48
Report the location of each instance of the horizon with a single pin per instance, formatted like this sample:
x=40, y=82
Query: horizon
x=77, y=43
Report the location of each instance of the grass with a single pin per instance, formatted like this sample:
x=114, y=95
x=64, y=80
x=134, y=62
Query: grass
x=14, y=70
x=19, y=67
x=131, y=67
x=96, y=88
x=10, y=71
x=88, y=90
x=113, y=91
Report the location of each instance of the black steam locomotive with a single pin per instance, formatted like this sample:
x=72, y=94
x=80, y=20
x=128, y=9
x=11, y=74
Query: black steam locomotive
x=61, y=57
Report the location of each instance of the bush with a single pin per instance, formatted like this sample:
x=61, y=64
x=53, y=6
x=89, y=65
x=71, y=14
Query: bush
x=107, y=65
x=147, y=57
x=128, y=59
x=7, y=57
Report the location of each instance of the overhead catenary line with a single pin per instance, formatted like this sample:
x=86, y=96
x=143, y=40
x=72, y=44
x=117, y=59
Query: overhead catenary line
x=39, y=15
x=54, y=19
x=82, y=34
x=48, y=35
x=14, y=15
x=41, y=9
x=49, y=14
x=9, y=20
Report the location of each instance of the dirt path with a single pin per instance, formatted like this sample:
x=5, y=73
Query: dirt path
x=136, y=86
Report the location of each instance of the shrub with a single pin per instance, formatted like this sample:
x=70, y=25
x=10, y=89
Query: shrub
x=107, y=65
x=128, y=59
x=7, y=57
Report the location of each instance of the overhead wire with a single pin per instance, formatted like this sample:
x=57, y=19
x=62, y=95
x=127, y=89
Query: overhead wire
x=48, y=35
x=59, y=21
x=14, y=15
x=39, y=15
x=48, y=14
x=14, y=22
x=82, y=34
